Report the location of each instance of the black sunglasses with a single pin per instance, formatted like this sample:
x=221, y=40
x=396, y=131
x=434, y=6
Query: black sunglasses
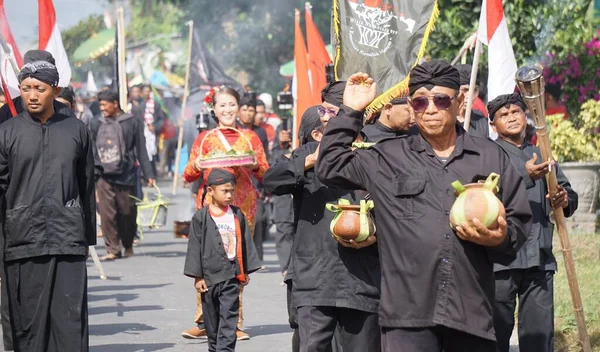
x=441, y=101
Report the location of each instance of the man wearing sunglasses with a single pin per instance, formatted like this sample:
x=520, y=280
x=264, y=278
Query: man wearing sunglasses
x=331, y=100
x=396, y=119
x=479, y=125
x=530, y=275
x=437, y=286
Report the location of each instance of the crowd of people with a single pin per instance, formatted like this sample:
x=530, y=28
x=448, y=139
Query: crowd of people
x=416, y=285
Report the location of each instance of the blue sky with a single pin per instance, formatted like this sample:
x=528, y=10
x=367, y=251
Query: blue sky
x=23, y=17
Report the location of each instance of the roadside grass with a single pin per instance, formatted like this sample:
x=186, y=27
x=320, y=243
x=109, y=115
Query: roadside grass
x=586, y=254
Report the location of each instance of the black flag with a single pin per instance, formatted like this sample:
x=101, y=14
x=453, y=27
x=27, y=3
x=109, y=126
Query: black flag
x=205, y=70
x=384, y=38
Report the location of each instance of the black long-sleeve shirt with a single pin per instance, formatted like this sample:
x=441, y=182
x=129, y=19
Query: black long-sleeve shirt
x=429, y=276
x=47, y=187
x=206, y=257
x=324, y=272
x=537, y=251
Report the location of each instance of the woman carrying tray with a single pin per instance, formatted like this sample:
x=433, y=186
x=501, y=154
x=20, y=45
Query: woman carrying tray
x=223, y=140
x=226, y=146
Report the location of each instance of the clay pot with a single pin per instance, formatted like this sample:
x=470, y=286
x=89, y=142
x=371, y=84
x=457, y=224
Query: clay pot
x=352, y=222
x=477, y=201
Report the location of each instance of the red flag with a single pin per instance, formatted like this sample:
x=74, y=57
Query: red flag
x=303, y=92
x=317, y=54
x=8, y=97
x=51, y=41
x=6, y=33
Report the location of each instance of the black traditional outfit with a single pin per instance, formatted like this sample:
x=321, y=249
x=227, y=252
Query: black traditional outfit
x=49, y=220
x=530, y=275
x=283, y=216
x=332, y=285
x=437, y=290
x=207, y=259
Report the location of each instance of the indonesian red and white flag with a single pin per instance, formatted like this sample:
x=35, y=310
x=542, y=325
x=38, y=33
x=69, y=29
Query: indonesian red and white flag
x=502, y=65
x=51, y=41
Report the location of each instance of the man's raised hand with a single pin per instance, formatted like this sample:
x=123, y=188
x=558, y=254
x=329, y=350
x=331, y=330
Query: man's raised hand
x=360, y=91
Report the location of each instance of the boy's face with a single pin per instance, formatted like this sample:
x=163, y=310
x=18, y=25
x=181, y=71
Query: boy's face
x=221, y=194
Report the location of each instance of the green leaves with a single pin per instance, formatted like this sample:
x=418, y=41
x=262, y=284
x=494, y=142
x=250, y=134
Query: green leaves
x=571, y=143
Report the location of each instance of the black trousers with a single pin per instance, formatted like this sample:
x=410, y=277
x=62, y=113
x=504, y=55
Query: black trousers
x=284, y=239
x=535, y=290
x=4, y=306
x=48, y=303
x=358, y=330
x=292, y=318
x=118, y=214
x=5, y=312
x=435, y=339
x=261, y=227
x=220, y=307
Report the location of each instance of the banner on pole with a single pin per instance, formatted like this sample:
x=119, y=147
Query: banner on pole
x=384, y=38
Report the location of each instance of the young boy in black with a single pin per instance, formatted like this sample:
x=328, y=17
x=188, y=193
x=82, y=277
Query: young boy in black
x=220, y=257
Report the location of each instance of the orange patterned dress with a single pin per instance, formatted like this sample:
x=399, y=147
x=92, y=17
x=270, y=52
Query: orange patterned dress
x=245, y=193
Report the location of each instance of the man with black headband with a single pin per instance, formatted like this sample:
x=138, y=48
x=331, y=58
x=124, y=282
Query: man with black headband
x=437, y=284
x=395, y=119
x=47, y=183
x=530, y=275
x=479, y=123
x=30, y=57
x=247, y=114
x=331, y=100
x=335, y=285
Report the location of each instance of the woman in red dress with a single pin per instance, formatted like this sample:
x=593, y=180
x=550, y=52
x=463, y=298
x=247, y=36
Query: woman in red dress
x=226, y=106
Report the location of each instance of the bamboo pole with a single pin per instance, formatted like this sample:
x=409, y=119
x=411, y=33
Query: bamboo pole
x=565, y=243
x=467, y=123
x=186, y=92
x=462, y=53
x=531, y=84
x=97, y=263
x=121, y=60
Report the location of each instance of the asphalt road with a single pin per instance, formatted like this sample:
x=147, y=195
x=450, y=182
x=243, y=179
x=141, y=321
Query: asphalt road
x=147, y=301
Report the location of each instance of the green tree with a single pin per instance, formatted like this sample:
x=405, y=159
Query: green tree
x=75, y=36
x=538, y=29
x=253, y=39
x=151, y=19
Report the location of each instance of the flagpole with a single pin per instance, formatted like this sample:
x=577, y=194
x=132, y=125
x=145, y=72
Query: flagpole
x=474, y=69
x=186, y=92
x=121, y=60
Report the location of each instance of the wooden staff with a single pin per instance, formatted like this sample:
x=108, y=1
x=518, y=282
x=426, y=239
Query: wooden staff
x=121, y=59
x=97, y=263
x=186, y=92
x=467, y=123
x=531, y=84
